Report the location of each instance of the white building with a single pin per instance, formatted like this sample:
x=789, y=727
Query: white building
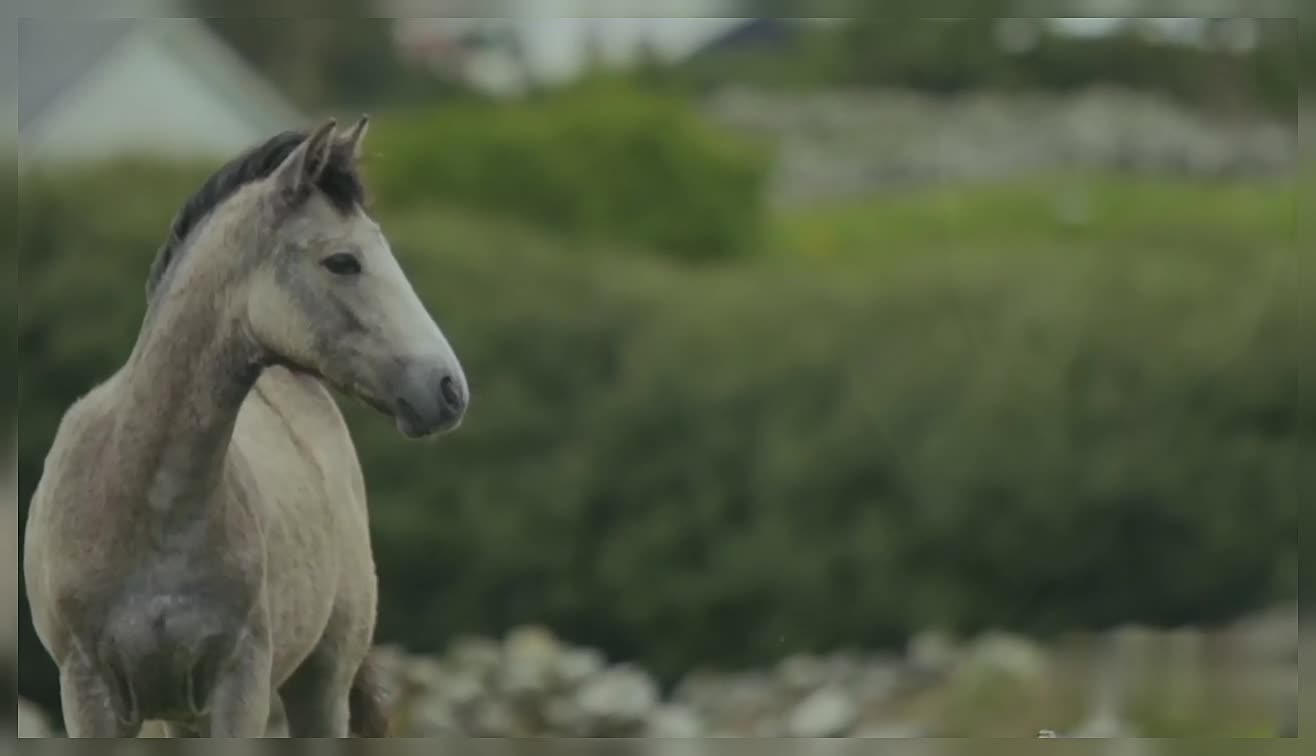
x=546, y=42
x=92, y=88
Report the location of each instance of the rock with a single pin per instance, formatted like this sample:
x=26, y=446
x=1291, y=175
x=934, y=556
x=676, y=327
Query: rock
x=432, y=716
x=877, y=683
x=1000, y=676
x=423, y=673
x=619, y=700
x=576, y=665
x=460, y=690
x=1270, y=636
x=565, y=718
x=32, y=721
x=674, y=721
x=497, y=719
x=846, y=143
x=529, y=660
x=802, y=672
x=1010, y=657
x=734, y=697
x=826, y=713
x=933, y=652
x=478, y=656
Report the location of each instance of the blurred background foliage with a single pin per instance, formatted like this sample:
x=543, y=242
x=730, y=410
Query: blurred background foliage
x=707, y=430
x=682, y=465
x=603, y=162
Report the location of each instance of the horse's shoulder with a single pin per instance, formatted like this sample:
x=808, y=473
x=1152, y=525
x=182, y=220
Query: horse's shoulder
x=64, y=489
x=83, y=429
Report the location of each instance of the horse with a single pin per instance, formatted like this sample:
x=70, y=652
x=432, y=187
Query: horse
x=197, y=548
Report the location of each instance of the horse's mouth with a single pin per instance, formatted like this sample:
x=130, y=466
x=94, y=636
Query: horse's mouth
x=367, y=398
x=408, y=422
x=375, y=404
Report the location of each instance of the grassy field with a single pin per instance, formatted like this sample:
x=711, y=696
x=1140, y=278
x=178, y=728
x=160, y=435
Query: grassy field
x=1044, y=215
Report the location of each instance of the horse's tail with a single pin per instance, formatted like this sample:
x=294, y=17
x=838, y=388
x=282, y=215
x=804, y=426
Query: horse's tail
x=368, y=717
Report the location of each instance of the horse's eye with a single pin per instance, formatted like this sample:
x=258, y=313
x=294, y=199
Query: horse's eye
x=342, y=264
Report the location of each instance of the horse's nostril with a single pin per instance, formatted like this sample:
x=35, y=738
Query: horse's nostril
x=451, y=396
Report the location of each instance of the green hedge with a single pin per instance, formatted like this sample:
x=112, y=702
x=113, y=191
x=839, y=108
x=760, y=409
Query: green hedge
x=967, y=55
x=600, y=163
x=723, y=465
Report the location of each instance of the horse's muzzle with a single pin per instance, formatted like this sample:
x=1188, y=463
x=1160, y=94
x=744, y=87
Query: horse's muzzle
x=431, y=398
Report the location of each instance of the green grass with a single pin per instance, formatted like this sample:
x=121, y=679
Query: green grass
x=1045, y=215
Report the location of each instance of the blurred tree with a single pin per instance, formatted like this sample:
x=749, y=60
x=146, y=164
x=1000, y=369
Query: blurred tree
x=325, y=53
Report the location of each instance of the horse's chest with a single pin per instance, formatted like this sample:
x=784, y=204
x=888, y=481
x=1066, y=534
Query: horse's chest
x=166, y=588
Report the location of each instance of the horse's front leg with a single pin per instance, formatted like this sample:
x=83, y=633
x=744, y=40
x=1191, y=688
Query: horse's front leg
x=278, y=721
x=87, y=702
x=240, y=699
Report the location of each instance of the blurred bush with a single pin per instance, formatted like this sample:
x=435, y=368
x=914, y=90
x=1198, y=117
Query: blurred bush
x=688, y=465
x=600, y=163
x=1241, y=64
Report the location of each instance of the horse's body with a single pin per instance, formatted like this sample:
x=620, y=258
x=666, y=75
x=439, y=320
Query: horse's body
x=198, y=549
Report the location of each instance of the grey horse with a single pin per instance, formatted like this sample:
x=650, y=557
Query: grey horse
x=197, y=549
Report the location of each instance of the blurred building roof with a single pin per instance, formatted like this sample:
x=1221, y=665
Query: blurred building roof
x=91, y=88
x=52, y=57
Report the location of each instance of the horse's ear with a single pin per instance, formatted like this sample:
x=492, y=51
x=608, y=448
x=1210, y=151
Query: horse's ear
x=304, y=165
x=349, y=145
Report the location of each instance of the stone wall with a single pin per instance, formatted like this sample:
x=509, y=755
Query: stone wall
x=1234, y=680
x=533, y=684
x=839, y=144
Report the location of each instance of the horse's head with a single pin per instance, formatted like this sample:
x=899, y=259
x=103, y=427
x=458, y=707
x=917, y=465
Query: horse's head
x=330, y=298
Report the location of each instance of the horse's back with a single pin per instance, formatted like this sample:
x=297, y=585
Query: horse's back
x=292, y=439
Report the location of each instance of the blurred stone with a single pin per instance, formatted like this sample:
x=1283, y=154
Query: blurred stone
x=827, y=713
x=619, y=700
x=1001, y=674
x=530, y=657
x=1010, y=656
x=565, y=718
x=996, y=685
x=32, y=721
x=845, y=143
x=802, y=672
x=877, y=683
x=1271, y=636
x=153, y=729
x=843, y=667
x=424, y=673
x=479, y=656
x=497, y=719
x=674, y=721
x=732, y=696
x=460, y=689
x=576, y=665
x=431, y=716
x=933, y=651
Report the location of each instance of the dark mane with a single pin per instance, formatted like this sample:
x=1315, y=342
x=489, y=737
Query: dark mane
x=340, y=183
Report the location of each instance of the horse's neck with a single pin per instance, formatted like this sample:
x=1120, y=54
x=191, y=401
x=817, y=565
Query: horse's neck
x=179, y=397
